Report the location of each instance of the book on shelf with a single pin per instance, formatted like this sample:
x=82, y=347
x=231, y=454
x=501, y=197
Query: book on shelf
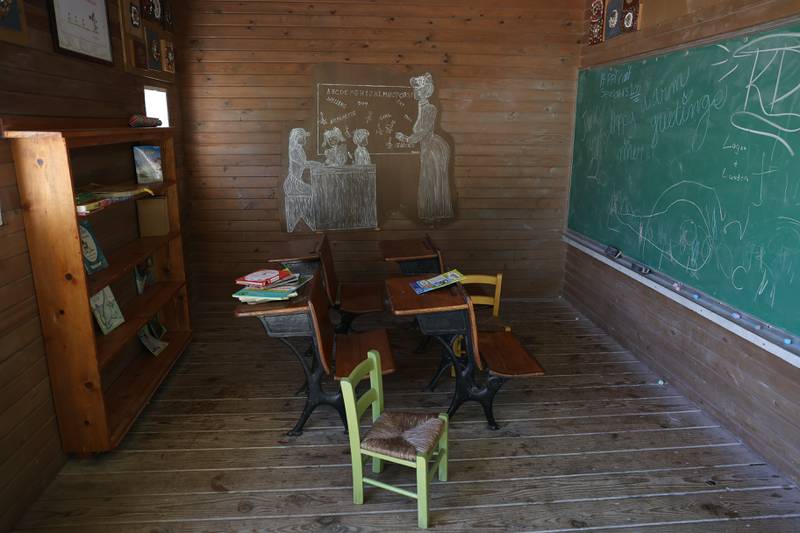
x=156, y=328
x=87, y=203
x=269, y=294
x=94, y=197
x=148, y=164
x=118, y=192
x=264, y=277
x=143, y=274
x=154, y=345
x=437, y=282
x=94, y=259
x=106, y=311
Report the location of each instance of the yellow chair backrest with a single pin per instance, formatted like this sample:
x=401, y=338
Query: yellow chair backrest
x=483, y=279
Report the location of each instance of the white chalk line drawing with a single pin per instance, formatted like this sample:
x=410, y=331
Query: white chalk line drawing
x=768, y=53
x=322, y=120
x=433, y=192
x=337, y=195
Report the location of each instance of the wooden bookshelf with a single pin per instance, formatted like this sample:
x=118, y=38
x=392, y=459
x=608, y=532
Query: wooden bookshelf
x=100, y=382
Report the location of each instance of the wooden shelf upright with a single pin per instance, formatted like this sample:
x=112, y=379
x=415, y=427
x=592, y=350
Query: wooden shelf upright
x=100, y=382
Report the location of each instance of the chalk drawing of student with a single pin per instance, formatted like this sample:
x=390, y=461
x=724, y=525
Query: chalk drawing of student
x=361, y=138
x=336, y=153
x=433, y=192
x=297, y=193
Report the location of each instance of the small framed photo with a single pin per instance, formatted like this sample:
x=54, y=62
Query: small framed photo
x=12, y=22
x=80, y=27
x=133, y=18
x=167, y=56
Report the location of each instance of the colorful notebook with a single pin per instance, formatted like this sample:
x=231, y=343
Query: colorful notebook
x=106, y=311
x=148, y=164
x=93, y=257
x=436, y=282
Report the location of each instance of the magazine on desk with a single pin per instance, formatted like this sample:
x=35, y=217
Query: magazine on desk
x=437, y=282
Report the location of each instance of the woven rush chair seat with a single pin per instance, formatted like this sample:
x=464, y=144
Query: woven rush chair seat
x=404, y=435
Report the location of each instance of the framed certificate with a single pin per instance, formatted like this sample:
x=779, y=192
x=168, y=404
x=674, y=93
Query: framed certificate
x=81, y=27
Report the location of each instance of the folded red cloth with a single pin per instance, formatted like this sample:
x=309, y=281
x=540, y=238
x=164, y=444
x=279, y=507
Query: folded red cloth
x=142, y=121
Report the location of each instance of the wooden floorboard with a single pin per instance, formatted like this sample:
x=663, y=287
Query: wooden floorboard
x=598, y=444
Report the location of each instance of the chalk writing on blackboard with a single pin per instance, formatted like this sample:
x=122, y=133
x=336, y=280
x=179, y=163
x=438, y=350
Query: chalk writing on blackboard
x=382, y=110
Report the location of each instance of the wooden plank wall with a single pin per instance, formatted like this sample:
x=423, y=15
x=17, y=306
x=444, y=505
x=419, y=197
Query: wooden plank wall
x=506, y=77
x=754, y=393
x=34, y=80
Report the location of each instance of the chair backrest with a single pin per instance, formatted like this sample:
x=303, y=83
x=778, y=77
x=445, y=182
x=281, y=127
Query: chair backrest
x=328, y=269
x=439, y=256
x=355, y=407
x=473, y=335
x=482, y=279
x=318, y=307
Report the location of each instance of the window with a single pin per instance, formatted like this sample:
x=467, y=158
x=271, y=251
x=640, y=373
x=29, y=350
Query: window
x=155, y=104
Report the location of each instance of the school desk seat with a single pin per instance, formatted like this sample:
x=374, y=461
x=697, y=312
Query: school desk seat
x=350, y=299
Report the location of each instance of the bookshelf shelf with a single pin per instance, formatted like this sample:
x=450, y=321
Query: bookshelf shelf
x=128, y=395
x=142, y=309
x=123, y=260
x=100, y=382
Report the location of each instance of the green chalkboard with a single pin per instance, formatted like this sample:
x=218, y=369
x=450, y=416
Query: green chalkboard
x=690, y=163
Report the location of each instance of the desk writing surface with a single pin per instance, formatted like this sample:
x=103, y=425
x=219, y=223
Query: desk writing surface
x=295, y=250
x=406, y=250
x=404, y=301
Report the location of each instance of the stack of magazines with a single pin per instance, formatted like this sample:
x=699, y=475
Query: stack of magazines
x=268, y=285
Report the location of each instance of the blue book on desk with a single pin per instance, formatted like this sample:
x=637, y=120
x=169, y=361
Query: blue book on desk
x=437, y=282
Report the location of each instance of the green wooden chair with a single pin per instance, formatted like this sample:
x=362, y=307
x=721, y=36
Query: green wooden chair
x=408, y=439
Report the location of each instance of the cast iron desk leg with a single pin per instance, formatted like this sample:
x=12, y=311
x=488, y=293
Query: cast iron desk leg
x=467, y=388
x=315, y=394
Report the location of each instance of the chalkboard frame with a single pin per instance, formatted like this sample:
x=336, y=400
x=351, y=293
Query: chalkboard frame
x=763, y=334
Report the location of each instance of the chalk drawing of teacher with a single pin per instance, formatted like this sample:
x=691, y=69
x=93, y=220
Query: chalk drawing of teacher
x=433, y=192
x=297, y=193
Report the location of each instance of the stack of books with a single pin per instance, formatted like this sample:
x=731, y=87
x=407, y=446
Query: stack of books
x=269, y=285
x=95, y=197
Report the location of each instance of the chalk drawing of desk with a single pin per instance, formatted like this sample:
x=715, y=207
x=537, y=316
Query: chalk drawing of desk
x=344, y=197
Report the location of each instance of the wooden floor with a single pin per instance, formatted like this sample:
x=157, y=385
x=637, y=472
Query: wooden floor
x=597, y=444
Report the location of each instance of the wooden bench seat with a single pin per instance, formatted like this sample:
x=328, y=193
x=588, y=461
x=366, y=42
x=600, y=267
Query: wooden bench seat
x=341, y=353
x=351, y=349
x=351, y=299
x=504, y=355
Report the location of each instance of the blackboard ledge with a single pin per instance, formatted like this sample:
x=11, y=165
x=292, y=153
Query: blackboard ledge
x=663, y=285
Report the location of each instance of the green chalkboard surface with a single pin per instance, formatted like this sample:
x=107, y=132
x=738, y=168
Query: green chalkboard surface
x=690, y=163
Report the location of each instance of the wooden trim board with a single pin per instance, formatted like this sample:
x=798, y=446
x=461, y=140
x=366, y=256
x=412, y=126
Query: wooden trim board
x=791, y=358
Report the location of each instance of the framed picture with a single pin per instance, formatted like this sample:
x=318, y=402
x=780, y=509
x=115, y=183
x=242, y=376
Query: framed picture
x=167, y=56
x=132, y=15
x=167, y=16
x=153, y=49
x=81, y=27
x=12, y=21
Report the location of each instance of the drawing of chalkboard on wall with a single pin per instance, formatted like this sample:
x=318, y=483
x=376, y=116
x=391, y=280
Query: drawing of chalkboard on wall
x=400, y=120
x=382, y=110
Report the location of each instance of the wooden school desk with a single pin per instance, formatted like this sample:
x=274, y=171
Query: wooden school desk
x=291, y=318
x=444, y=315
x=414, y=256
x=299, y=255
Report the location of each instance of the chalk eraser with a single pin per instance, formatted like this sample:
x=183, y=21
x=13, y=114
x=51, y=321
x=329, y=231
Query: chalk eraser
x=696, y=296
x=787, y=341
x=737, y=316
